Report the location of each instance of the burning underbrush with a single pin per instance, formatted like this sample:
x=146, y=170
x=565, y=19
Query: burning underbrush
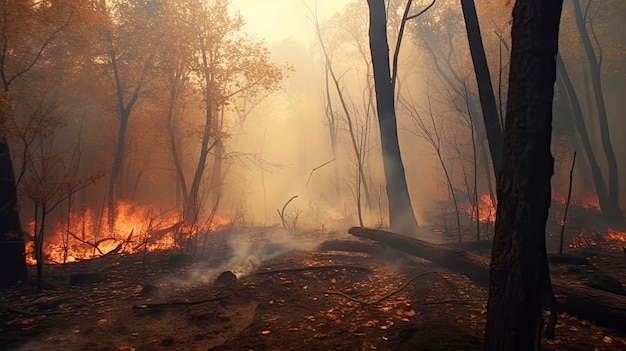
x=584, y=223
x=138, y=228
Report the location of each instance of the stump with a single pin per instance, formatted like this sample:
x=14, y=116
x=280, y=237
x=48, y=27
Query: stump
x=227, y=277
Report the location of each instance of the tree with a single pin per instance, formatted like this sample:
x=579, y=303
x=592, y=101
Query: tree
x=26, y=31
x=357, y=120
x=520, y=285
x=50, y=181
x=610, y=205
x=130, y=45
x=485, y=88
x=566, y=87
x=226, y=63
x=401, y=216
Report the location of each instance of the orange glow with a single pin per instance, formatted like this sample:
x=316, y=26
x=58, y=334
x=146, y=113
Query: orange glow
x=582, y=240
x=588, y=203
x=615, y=235
x=151, y=231
x=486, y=209
x=558, y=198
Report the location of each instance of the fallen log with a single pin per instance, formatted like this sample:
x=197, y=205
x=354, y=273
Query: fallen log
x=553, y=258
x=577, y=299
x=364, y=246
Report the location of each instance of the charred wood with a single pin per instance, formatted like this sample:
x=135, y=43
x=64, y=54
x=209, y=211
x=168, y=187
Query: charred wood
x=575, y=298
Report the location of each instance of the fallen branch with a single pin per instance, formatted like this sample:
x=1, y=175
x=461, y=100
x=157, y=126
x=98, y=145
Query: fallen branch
x=94, y=245
x=316, y=268
x=316, y=168
x=29, y=313
x=384, y=297
x=178, y=303
x=281, y=213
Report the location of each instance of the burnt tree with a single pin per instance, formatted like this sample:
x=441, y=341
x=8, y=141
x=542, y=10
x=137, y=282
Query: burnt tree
x=12, y=258
x=401, y=216
x=520, y=284
x=491, y=117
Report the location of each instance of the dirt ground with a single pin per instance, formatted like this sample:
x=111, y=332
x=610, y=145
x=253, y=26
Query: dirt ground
x=297, y=300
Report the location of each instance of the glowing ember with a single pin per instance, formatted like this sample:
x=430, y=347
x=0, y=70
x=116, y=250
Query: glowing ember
x=559, y=198
x=88, y=236
x=582, y=240
x=486, y=209
x=615, y=235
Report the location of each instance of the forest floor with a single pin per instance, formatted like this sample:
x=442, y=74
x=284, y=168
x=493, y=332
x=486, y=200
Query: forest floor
x=294, y=299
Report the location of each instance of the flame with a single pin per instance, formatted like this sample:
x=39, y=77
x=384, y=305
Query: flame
x=486, y=209
x=559, y=198
x=615, y=235
x=588, y=203
x=89, y=236
x=219, y=223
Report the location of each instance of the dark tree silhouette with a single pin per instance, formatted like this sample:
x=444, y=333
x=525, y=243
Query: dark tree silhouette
x=520, y=286
x=401, y=217
x=485, y=88
x=12, y=259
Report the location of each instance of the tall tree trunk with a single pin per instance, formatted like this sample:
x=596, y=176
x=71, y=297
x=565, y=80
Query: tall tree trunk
x=401, y=216
x=124, y=110
x=520, y=285
x=12, y=255
x=116, y=170
x=485, y=88
x=564, y=84
x=612, y=211
x=181, y=187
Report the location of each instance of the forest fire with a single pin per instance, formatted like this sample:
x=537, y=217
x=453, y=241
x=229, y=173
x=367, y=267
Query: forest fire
x=486, y=209
x=84, y=235
x=587, y=203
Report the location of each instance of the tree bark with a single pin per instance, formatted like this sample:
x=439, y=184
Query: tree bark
x=485, y=88
x=605, y=308
x=12, y=255
x=520, y=285
x=401, y=216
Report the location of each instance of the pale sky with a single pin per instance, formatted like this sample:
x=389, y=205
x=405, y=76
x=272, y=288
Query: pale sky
x=276, y=20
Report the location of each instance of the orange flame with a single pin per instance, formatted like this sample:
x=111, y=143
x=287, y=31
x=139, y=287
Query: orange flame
x=588, y=203
x=486, y=209
x=88, y=236
x=615, y=235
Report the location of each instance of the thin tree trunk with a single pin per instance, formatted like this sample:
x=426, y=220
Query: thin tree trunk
x=171, y=128
x=401, y=216
x=612, y=211
x=564, y=84
x=124, y=110
x=485, y=88
x=520, y=285
x=191, y=207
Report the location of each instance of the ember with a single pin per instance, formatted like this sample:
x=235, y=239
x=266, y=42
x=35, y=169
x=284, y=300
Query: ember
x=581, y=240
x=87, y=235
x=615, y=235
